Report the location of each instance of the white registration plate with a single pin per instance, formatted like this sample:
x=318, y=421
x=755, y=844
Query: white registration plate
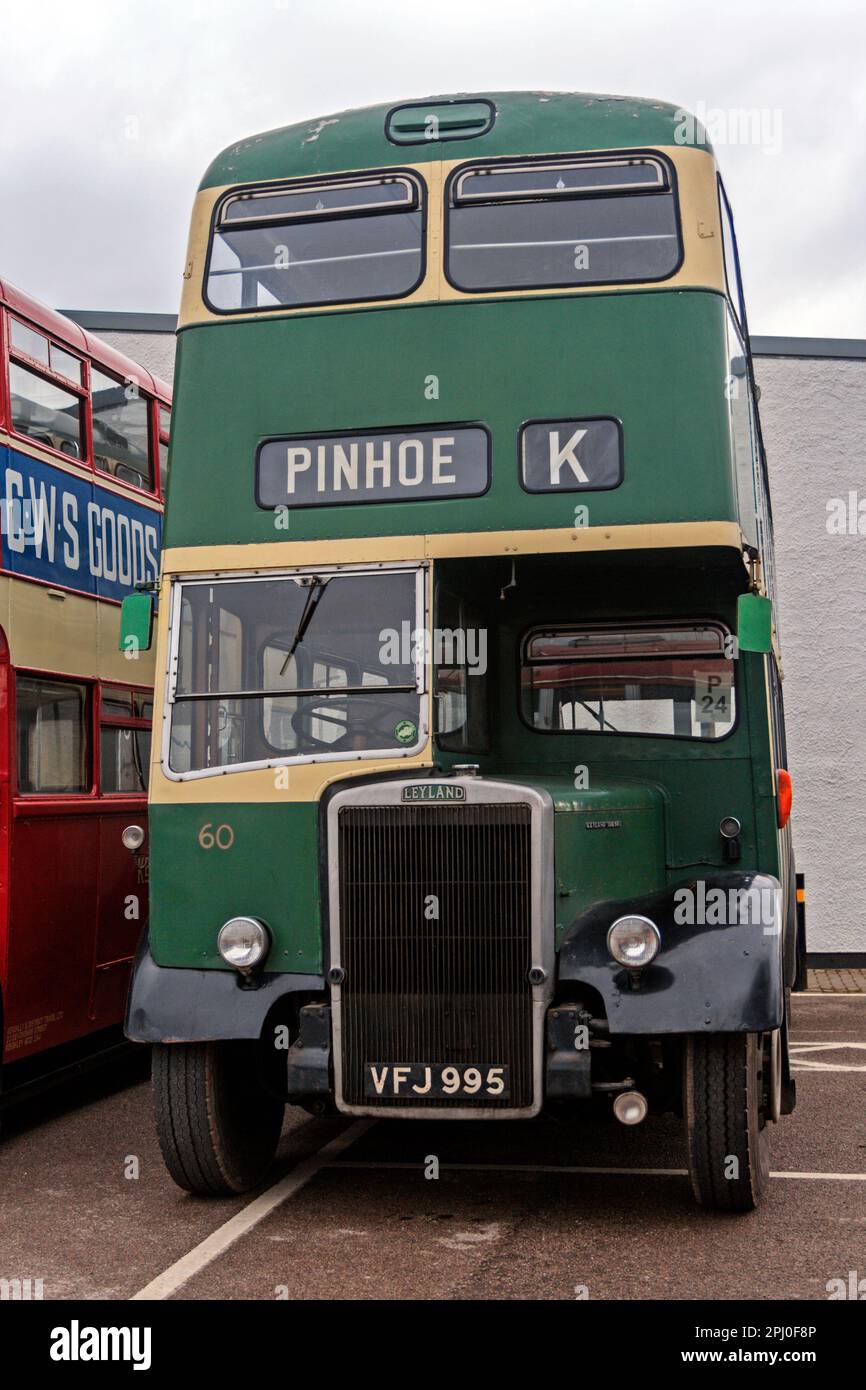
x=387, y=1080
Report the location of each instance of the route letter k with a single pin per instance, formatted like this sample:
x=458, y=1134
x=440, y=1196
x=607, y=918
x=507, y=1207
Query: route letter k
x=562, y=454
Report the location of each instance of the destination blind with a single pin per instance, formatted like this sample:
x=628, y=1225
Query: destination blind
x=394, y=466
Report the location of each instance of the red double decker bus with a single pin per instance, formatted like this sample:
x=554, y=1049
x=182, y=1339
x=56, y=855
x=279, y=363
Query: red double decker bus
x=83, y=464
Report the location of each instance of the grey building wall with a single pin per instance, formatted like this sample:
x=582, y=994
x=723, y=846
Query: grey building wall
x=813, y=410
x=146, y=338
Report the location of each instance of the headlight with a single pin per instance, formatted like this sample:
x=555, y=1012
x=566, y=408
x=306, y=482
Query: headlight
x=634, y=941
x=243, y=942
x=133, y=837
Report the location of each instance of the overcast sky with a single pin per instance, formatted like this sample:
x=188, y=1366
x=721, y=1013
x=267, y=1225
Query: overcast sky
x=110, y=112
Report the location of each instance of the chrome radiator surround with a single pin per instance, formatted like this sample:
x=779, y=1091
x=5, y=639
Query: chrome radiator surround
x=468, y=791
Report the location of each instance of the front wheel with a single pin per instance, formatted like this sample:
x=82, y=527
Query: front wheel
x=218, y=1128
x=727, y=1102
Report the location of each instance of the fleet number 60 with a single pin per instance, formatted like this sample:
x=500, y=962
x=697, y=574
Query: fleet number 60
x=223, y=837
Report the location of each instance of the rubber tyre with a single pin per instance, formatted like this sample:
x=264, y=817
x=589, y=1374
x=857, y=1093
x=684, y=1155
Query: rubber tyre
x=723, y=1106
x=218, y=1128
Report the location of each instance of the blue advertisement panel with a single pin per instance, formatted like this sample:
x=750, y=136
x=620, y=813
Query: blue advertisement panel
x=68, y=531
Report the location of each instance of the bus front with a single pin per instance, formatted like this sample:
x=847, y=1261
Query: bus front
x=458, y=719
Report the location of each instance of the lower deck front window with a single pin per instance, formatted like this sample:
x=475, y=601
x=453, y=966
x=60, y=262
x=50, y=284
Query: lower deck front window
x=670, y=681
x=295, y=667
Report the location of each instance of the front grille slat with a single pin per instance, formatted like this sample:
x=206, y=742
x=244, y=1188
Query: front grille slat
x=436, y=990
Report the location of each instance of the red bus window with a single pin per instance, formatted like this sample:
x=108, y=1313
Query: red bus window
x=164, y=428
x=51, y=735
x=120, y=430
x=124, y=740
x=116, y=701
x=44, y=412
x=27, y=342
x=124, y=756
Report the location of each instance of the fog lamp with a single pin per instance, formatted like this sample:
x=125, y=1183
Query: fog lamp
x=630, y=1107
x=634, y=941
x=243, y=942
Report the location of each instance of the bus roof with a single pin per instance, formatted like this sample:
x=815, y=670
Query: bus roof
x=67, y=331
x=526, y=123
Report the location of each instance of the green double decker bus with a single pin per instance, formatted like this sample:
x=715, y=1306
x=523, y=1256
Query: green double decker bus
x=469, y=795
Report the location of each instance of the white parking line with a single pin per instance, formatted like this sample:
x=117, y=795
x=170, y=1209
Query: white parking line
x=216, y=1244
x=802, y=1061
x=822, y=1066
x=568, y=1168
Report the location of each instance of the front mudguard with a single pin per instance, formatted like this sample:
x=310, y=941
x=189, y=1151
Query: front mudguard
x=715, y=977
x=167, y=1004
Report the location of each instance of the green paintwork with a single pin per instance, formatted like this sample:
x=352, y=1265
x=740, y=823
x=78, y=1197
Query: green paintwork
x=655, y=360
x=268, y=872
x=609, y=842
x=526, y=123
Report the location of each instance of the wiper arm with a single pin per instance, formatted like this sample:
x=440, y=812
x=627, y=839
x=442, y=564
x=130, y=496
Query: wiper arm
x=314, y=593
x=598, y=715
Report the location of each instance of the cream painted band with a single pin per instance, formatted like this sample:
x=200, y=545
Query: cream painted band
x=307, y=781
x=703, y=264
x=71, y=634
x=214, y=559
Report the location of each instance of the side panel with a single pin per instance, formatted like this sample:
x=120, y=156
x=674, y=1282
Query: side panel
x=268, y=870
x=52, y=923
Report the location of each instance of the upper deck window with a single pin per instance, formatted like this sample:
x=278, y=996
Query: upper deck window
x=28, y=343
x=68, y=404
x=339, y=242
x=42, y=408
x=164, y=432
x=45, y=412
x=562, y=223
x=120, y=430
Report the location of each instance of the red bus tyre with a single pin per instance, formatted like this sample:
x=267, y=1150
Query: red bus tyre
x=218, y=1128
x=726, y=1099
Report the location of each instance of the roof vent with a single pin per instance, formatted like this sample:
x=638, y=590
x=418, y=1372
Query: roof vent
x=425, y=122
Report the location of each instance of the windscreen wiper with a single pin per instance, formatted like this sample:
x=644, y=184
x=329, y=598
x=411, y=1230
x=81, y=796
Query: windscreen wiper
x=598, y=715
x=314, y=593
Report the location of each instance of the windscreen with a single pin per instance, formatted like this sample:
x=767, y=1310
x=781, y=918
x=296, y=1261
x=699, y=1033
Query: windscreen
x=298, y=666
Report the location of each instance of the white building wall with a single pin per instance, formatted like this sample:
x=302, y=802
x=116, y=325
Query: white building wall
x=813, y=411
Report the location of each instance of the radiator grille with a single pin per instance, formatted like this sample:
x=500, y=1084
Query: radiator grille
x=427, y=989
